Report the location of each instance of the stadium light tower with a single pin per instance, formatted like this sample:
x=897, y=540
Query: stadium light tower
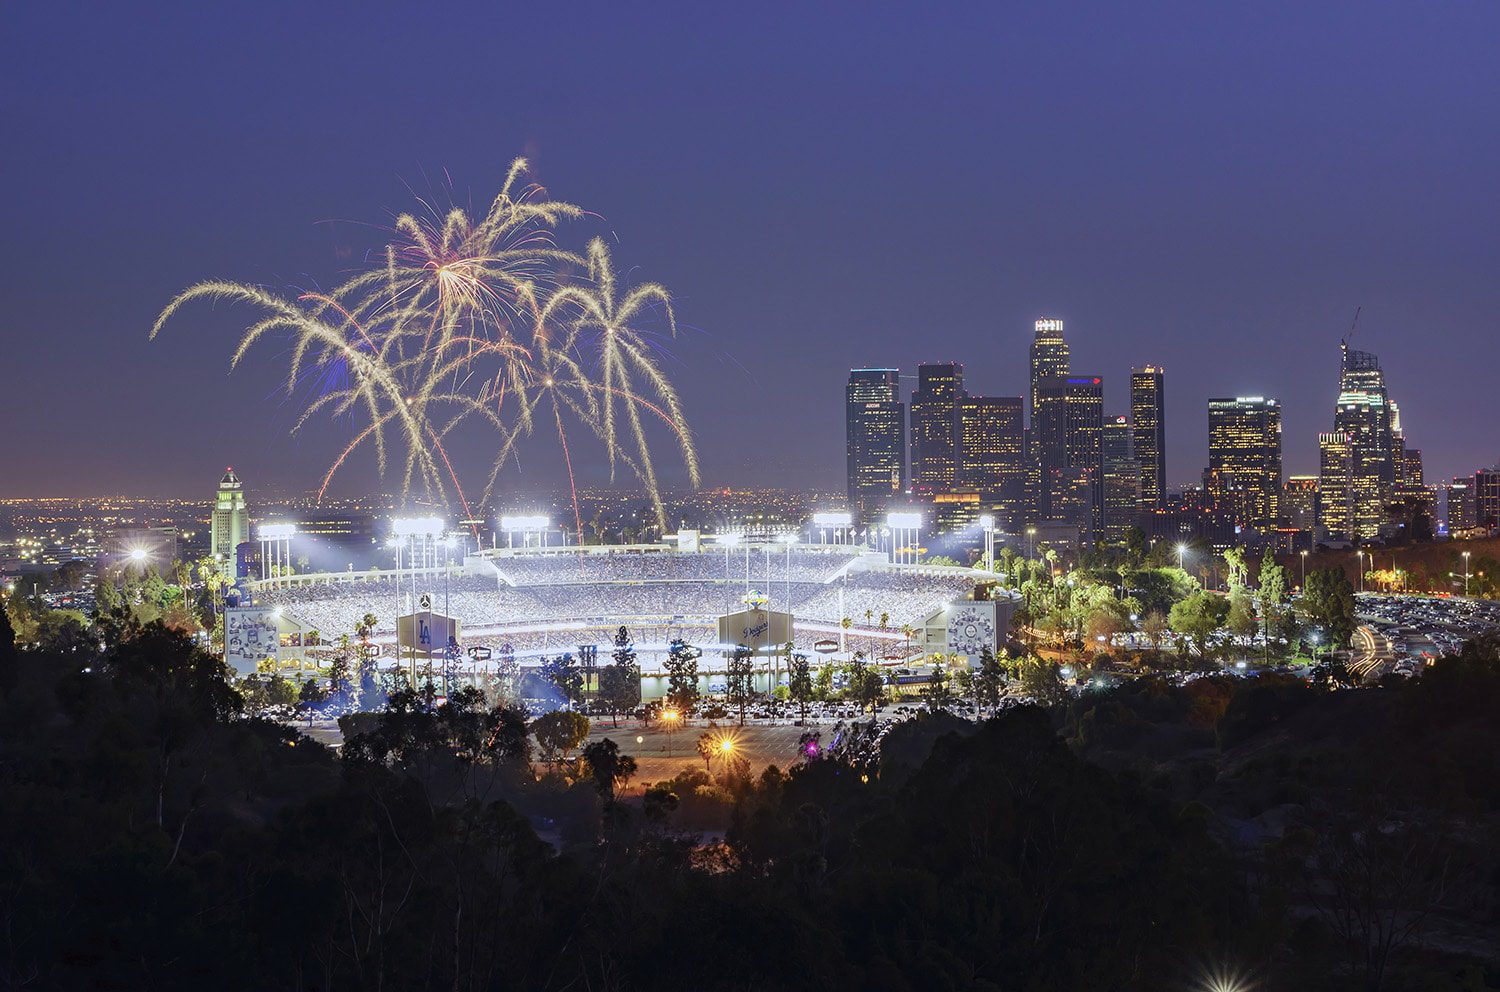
x=727, y=541
x=838, y=521
x=275, y=547
x=905, y=525
x=417, y=535
x=988, y=523
x=525, y=524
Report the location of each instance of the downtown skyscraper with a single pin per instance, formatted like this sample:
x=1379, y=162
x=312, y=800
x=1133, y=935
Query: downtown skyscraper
x=1049, y=356
x=1067, y=438
x=1244, y=459
x=1363, y=416
x=1121, y=481
x=875, y=440
x=934, y=425
x=992, y=455
x=1148, y=433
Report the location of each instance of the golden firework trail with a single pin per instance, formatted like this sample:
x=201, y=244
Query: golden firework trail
x=474, y=320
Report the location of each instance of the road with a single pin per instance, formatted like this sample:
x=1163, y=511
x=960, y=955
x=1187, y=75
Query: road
x=1373, y=655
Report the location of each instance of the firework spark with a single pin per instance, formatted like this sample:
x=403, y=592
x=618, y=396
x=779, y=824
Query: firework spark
x=474, y=321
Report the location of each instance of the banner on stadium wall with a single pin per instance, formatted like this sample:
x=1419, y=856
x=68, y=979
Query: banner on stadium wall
x=971, y=628
x=758, y=630
x=427, y=633
x=251, y=636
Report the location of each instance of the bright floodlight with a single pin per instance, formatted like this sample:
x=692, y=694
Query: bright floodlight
x=987, y=522
x=833, y=518
x=728, y=540
x=903, y=520
x=275, y=532
x=418, y=526
x=788, y=538
x=511, y=523
x=138, y=554
x=1182, y=549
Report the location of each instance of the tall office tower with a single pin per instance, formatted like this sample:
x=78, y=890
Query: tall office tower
x=991, y=454
x=1335, y=466
x=229, y=523
x=875, y=434
x=1462, y=513
x=1299, y=502
x=1049, y=356
x=934, y=425
x=1122, y=478
x=1244, y=458
x=1364, y=415
x=875, y=439
x=1067, y=434
x=1148, y=428
x=1486, y=498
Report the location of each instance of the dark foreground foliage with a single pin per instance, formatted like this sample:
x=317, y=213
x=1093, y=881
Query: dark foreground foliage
x=153, y=838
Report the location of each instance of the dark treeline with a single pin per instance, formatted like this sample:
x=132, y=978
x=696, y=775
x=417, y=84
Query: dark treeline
x=1306, y=836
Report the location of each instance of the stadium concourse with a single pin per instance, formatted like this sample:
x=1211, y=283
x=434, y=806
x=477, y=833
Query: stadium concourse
x=544, y=601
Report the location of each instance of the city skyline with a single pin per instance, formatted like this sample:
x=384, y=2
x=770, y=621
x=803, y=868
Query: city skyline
x=1226, y=231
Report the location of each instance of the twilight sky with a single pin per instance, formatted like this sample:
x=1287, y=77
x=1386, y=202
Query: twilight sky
x=1211, y=187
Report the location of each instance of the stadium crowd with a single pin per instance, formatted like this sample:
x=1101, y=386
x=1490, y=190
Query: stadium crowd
x=645, y=592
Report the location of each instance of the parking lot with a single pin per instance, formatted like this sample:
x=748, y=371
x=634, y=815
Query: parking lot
x=1411, y=630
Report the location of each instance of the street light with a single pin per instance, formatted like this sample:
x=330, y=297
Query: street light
x=1303, y=584
x=1466, y=573
x=1181, y=550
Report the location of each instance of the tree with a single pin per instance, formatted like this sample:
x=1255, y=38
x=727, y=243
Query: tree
x=682, y=676
x=309, y=697
x=620, y=681
x=799, y=682
x=865, y=684
x=1239, y=571
x=1328, y=602
x=1156, y=629
x=1273, y=597
x=740, y=679
x=563, y=675
x=608, y=767
x=339, y=669
x=1041, y=681
x=7, y=651
x=707, y=745
x=1197, y=617
x=559, y=732
x=937, y=693
x=989, y=680
x=1241, y=617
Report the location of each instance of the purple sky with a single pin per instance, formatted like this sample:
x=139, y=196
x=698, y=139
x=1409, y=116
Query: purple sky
x=1214, y=188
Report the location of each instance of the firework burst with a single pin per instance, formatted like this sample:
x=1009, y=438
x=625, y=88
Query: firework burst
x=474, y=320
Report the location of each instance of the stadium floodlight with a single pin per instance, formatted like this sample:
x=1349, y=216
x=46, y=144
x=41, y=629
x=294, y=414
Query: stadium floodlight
x=833, y=518
x=987, y=522
x=727, y=540
x=789, y=539
x=418, y=526
x=139, y=554
x=525, y=522
x=275, y=532
x=903, y=520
